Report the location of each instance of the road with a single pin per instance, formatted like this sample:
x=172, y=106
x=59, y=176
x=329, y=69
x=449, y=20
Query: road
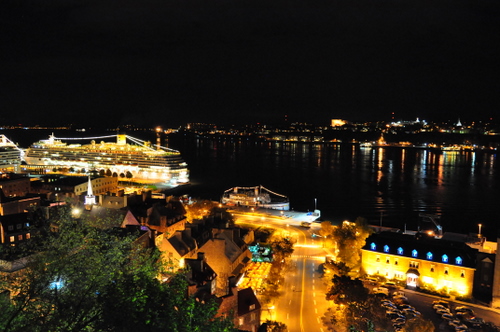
x=303, y=301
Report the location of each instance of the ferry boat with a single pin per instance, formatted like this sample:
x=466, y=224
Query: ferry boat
x=257, y=196
x=138, y=161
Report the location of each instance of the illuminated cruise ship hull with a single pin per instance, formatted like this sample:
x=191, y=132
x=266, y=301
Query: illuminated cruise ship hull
x=10, y=155
x=139, y=163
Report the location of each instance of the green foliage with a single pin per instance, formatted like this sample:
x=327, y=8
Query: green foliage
x=336, y=268
x=273, y=326
x=199, y=209
x=346, y=290
x=347, y=239
x=419, y=324
x=282, y=248
x=85, y=278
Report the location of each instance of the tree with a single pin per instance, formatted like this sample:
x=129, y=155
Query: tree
x=273, y=326
x=199, y=209
x=419, y=324
x=346, y=290
x=85, y=278
x=347, y=239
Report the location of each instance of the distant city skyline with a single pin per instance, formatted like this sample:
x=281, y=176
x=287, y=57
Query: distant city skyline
x=152, y=62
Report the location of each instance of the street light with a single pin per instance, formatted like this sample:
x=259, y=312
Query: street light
x=480, y=225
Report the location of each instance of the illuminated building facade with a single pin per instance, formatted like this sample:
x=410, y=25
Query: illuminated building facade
x=421, y=261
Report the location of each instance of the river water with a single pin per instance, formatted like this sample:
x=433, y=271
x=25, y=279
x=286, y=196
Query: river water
x=390, y=186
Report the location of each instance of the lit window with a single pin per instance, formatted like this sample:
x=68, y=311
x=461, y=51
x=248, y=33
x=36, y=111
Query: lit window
x=400, y=251
x=12, y=239
x=445, y=258
x=373, y=246
x=386, y=248
x=458, y=260
x=414, y=253
x=429, y=255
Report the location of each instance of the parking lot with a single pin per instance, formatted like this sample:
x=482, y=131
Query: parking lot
x=402, y=305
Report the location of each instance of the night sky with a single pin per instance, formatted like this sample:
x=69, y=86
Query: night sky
x=172, y=62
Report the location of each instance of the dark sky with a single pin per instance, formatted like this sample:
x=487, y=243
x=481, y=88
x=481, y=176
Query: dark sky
x=171, y=62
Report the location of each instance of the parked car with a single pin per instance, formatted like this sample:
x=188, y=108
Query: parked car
x=394, y=315
x=460, y=328
x=393, y=311
x=391, y=285
x=400, y=298
x=464, y=309
x=439, y=306
x=405, y=306
x=441, y=302
x=443, y=311
x=399, y=320
x=381, y=290
x=411, y=311
x=447, y=317
x=371, y=280
x=464, y=315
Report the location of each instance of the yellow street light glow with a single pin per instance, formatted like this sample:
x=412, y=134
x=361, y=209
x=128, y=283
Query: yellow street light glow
x=307, y=245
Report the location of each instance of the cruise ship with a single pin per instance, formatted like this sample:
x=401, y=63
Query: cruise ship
x=10, y=155
x=138, y=162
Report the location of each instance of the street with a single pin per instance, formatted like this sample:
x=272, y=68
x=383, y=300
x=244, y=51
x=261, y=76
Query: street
x=303, y=301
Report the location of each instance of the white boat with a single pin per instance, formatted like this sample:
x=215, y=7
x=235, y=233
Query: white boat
x=138, y=161
x=257, y=196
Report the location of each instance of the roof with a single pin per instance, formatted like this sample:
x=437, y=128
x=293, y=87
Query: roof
x=422, y=247
x=182, y=243
x=247, y=298
x=201, y=272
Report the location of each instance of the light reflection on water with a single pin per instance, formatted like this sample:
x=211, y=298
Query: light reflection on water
x=348, y=181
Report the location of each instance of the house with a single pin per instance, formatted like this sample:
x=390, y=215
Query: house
x=17, y=204
x=200, y=276
x=14, y=184
x=14, y=228
x=249, y=310
x=175, y=249
x=227, y=254
x=419, y=260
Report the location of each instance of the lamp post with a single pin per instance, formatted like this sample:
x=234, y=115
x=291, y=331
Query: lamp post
x=480, y=225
